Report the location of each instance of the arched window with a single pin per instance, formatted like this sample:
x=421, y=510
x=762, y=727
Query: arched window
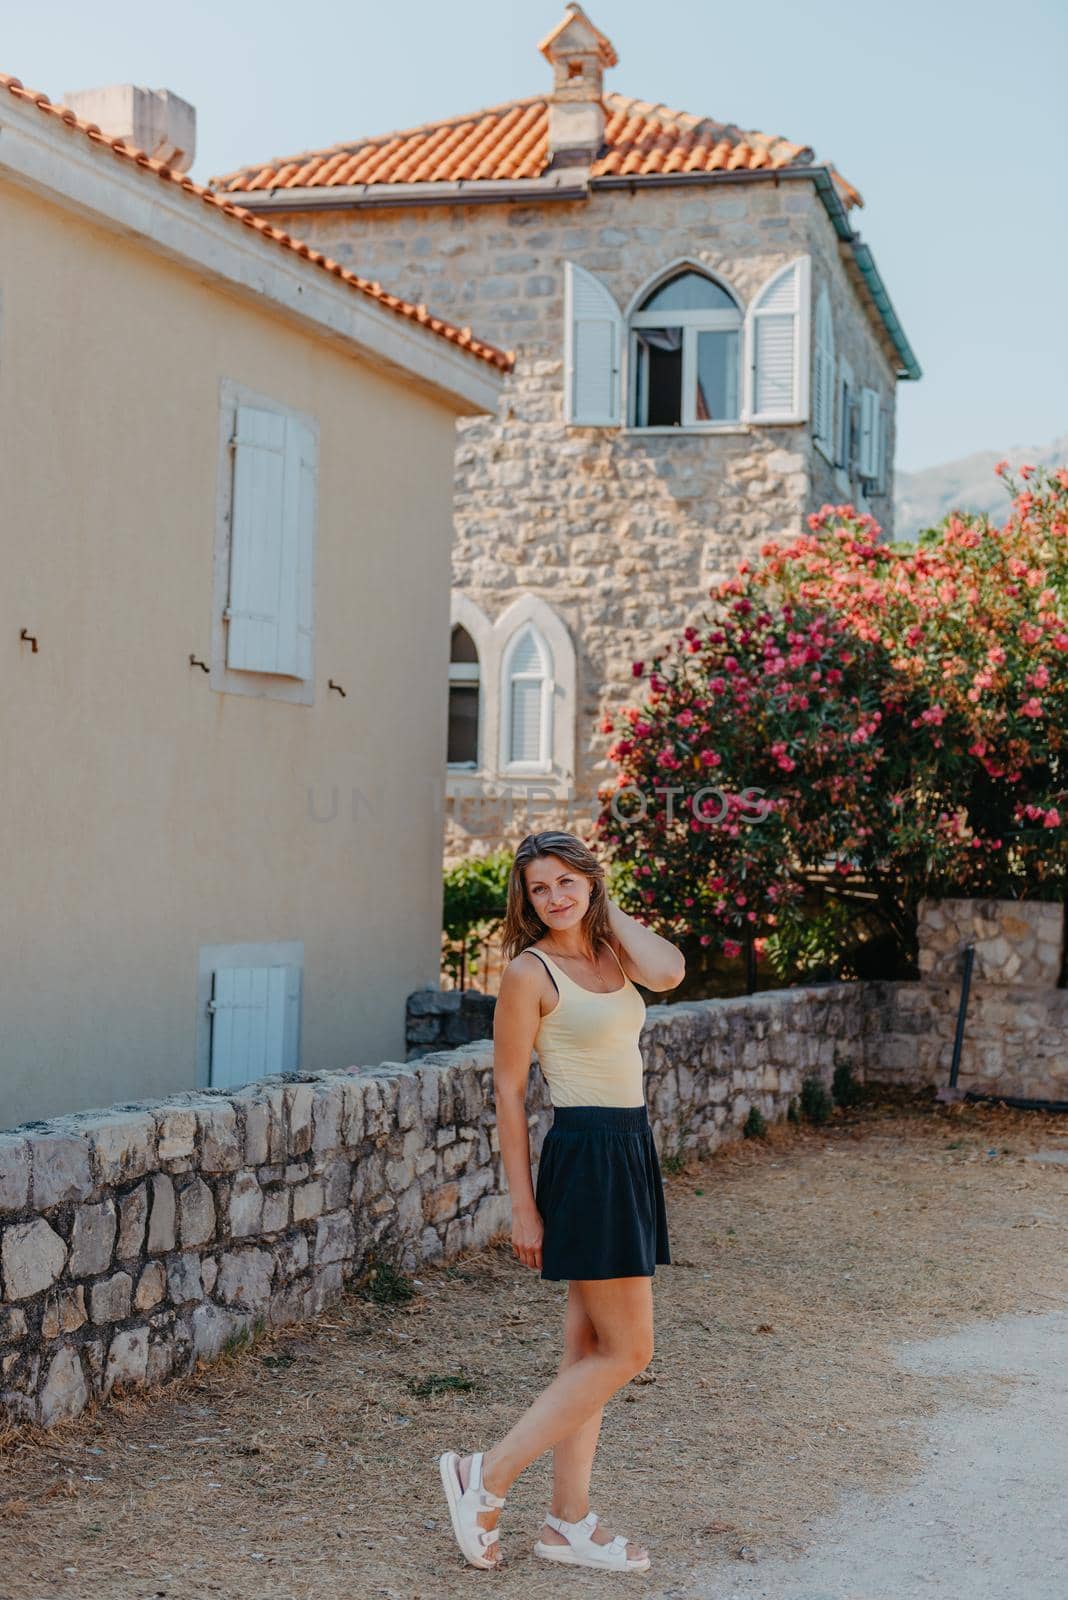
x=463, y=700
x=526, y=703
x=685, y=354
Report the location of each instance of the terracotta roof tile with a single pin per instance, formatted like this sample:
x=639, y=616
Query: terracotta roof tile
x=462, y=337
x=642, y=140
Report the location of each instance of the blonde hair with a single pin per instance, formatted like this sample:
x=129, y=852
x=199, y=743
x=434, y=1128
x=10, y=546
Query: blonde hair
x=522, y=926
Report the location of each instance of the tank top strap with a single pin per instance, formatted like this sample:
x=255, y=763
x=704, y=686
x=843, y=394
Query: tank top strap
x=545, y=964
x=619, y=963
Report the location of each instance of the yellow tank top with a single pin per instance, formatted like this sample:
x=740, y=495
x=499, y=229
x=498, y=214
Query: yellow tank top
x=588, y=1045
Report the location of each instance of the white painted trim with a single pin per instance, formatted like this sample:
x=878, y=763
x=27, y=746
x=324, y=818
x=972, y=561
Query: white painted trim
x=463, y=612
x=492, y=641
x=223, y=678
x=279, y=953
x=60, y=163
x=672, y=270
x=685, y=430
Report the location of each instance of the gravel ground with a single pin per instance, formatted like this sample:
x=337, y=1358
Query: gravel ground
x=844, y=1302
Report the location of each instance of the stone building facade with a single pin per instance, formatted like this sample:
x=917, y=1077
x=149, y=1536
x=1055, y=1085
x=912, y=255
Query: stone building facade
x=629, y=466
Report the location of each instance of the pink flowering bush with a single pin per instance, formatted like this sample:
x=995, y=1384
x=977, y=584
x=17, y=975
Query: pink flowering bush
x=858, y=725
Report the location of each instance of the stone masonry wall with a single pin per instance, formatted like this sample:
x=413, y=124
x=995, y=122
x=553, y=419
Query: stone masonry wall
x=136, y=1240
x=622, y=531
x=1015, y=1040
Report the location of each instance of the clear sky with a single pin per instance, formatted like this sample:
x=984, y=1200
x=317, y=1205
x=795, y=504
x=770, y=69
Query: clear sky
x=948, y=115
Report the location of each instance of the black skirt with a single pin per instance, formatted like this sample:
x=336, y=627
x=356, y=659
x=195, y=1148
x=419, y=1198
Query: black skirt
x=600, y=1195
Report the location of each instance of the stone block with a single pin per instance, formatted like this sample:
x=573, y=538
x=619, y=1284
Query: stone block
x=220, y=1140
x=292, y=1255
x=442, y=1203
x=245, y=1279
x=14, y=1172
x=337, y=1179
x=327, y=1106
x=65, y=1393
x=127, y=1361
x=299, y=1098
x=133, y=1214
x=307, y=1201
x=92, y=1239
x=161, y=1221
x=60, y=1164
x=12, y=1324
x=335, y=1237
x=63, y=1312
x=196, y=1213
x=184, y=1281
x=33, y=1256
x=177, y=1133
x=209, y=1273
x=123, y=1145
x=275, y=1210
x=351, y=1112
x=109, y=1298
x=246, y=1205
x=210, y=1327
x=257, y=1132
x=151, y=1286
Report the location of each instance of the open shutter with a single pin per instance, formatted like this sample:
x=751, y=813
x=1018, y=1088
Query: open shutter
x=254, y=1023
x=846, y=392
x=302, y=465
x=593, y=342
x=868, y=454
x=272, y=538
x=824, y=374
x=884, y=451
x=777, y=326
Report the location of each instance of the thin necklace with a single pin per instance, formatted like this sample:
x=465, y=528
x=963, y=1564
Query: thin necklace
x=596, y=974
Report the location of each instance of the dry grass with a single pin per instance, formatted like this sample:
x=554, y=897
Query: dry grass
x=305, y=1467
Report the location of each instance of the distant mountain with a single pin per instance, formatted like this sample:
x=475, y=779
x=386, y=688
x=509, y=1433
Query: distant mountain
x=922, y=499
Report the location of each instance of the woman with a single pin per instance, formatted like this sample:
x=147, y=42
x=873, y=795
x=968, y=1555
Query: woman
x=597, y=1218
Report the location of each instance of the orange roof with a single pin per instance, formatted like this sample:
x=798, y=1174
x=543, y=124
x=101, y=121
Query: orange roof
x=463, y=337
x=510, y=141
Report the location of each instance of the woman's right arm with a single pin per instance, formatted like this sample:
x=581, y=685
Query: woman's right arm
x=516, y=1019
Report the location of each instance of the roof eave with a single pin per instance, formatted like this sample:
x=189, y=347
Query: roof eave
x=40, y=155
x=576, y=184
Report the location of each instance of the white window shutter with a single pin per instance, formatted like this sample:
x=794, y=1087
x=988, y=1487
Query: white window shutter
x=777, y=332
x=302, y=465
x=271, y=544
x=254, y=1023
x=525, y=695
x=824, y=375
x=868, y=463
x=884, y=450
x=593, y=342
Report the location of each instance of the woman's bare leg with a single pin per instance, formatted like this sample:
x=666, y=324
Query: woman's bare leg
x=621, y=1313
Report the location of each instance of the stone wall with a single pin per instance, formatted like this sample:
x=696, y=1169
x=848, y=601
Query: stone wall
x=135, y=1240
x=623, y=532
x=1015, y=1039
x=440, y=1019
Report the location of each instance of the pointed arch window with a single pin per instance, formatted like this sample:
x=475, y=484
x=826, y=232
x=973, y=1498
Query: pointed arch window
x=526, y=703
x=464, y=699
x=685, y=354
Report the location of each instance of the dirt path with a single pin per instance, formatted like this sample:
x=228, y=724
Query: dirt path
x=305, y=1468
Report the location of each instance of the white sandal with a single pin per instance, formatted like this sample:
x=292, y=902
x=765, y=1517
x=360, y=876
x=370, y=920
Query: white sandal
x=466, y=1504
x=582, y=1550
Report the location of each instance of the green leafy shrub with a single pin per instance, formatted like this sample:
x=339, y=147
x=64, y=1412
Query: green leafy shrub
x=816, y=1103
x=755, y=1125
x=845, y=1089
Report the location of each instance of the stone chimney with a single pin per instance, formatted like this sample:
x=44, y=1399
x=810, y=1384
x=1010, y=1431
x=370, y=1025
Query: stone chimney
x=157, y=121
x=578, y=54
